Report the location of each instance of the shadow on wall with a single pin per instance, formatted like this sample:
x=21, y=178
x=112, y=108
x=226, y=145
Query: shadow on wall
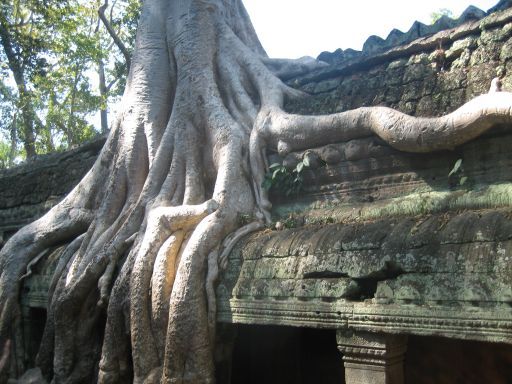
x=288, y=355
x=431, y=360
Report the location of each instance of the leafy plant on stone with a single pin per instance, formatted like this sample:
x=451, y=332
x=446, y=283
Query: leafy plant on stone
x=281, y=180
x=458, y=171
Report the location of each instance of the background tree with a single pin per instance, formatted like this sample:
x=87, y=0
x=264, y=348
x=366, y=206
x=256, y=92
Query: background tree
x=52, y=53
x=8, y=126
x=46, y=46
x=436, y=15
x=116, y=38
x=140, y=240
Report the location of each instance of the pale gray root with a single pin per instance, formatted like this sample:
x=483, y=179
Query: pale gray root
x=185, y=158
x=105, y=281
x=162, y=280
x=60, y=225
x=289, y=132
x=405, y=133
x=211, y=280
x=44, y=358
x=288, y=68
x=233, y=238
x=32, y=263
x=114, y=366
x=188, y=353
x=162, y=222
x=214, y=261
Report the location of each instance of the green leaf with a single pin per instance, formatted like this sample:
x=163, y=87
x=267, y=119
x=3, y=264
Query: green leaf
x=305, y=161
x=462, y=180
x=456, y=167
x=299, y=167
x=275, y=165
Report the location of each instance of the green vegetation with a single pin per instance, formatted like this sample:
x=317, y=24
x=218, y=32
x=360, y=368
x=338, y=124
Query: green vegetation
x=457, y=173
x=281, y=180
x=436, y=15
x=52, y=54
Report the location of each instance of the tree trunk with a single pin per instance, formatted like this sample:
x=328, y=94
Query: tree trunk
x=25, y=96
x=133, y=293
x=13, y=139
x=115, y=37
x=104, y=96
x=71, y=123
x=28, y=117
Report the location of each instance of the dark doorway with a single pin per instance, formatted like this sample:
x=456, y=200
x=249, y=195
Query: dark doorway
x=286, y=355
x=34, y=333
x=436, y=360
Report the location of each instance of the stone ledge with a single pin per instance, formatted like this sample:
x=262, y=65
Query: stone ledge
x=479, y=325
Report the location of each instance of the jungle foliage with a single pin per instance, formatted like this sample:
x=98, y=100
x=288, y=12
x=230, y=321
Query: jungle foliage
x=59, y=69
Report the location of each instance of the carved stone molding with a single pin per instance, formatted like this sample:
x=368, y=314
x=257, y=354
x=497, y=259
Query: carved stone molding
x=289, y=313
x=372, y=358
x=460, y=323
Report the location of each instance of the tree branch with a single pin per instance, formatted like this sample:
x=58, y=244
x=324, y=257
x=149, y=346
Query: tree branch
x=114, y=35
x=14, y=63
x=111, y=84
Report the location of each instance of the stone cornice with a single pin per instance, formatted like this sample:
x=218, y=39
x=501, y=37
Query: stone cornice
x=468, y=323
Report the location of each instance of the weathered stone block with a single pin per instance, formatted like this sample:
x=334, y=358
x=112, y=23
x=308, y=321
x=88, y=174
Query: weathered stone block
x=372, y=358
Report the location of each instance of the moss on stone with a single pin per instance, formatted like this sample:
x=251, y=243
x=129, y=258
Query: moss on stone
x=415, y=204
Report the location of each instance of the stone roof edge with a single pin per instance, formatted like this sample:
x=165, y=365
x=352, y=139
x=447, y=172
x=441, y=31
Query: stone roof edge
x=375, y=44
x=426, y=43
x=51, y=159
x=488, y=326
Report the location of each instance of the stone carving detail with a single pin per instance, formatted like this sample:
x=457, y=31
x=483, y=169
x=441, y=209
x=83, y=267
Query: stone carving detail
x=372, y=358
x=479, y=324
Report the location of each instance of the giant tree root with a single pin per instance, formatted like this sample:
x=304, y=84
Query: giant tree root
x=133, y=298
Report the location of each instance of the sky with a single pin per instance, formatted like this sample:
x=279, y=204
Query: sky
x=296, y=28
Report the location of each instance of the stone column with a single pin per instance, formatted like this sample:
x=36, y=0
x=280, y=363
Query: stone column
x=372, y=358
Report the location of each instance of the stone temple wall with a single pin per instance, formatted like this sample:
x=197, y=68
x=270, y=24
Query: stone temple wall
x=429, y=76
x=31, y=189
